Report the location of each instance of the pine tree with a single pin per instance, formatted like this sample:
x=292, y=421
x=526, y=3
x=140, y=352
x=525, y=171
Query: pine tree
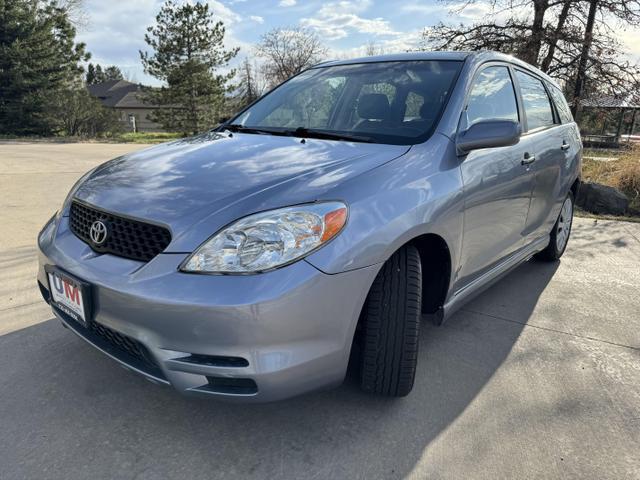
x=99, y=74
x=96, y=74
x=113, y=73
x=38, y=59
x=188, y=50
x=90, y=77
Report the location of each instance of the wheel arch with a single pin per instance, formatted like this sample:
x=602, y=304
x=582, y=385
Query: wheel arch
x=435, y=257
x=575, y=188
x=436, y=261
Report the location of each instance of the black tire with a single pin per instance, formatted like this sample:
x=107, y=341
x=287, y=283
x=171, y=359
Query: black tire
x=391, y=326
x=552, y=252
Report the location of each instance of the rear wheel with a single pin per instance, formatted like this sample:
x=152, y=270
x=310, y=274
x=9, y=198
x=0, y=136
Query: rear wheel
x=390, y=326
x=560, y=233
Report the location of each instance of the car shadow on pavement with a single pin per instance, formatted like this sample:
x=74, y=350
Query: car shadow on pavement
x=589, y=236
x=69, y=412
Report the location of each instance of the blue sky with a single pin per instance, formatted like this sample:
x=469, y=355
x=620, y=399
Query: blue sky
x=115, y=29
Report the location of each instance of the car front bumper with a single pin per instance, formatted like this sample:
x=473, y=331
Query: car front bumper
x=255, y=338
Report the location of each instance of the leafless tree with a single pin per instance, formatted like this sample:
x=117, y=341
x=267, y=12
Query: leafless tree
x=75, y=11
x=555, y=34
x=571, y=40
x=625, y=12
x=288, y=51
x=251, y=84
x=372, y=49
x=532, y=30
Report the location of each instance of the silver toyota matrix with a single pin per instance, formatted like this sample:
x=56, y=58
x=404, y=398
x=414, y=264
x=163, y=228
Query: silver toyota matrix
x=318, y=225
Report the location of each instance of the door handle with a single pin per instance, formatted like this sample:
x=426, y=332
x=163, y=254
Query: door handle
x=565, y=145
x=528, y=159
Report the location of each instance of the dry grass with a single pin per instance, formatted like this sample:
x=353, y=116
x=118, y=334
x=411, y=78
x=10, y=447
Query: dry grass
x=128, y=137
x=602, y=152
x=623, y=174
x=147, y=137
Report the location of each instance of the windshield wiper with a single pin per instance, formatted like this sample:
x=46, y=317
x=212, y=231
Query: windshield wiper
x=236, y=127
x=322, y=134
x=298, y=132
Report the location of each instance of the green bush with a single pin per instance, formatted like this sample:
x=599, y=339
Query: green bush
x=147, y=137
x=78, y=114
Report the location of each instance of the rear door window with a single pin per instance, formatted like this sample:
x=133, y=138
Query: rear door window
x=311, y=108
x=379, y=88
x=377, y=92
x=536, y=103
x=413, y=104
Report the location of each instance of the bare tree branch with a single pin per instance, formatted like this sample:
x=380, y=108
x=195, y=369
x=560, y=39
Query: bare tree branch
x=288, y=51
x=554, y=36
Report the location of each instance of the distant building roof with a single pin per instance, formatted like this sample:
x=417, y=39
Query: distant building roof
x=119, y=94
x=605, y=101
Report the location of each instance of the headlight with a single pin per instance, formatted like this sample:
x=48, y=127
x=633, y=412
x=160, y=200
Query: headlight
x=268, y=240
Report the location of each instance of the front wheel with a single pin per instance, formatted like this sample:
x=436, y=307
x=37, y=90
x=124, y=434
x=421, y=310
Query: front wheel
x=390, y=326
x=560, y=233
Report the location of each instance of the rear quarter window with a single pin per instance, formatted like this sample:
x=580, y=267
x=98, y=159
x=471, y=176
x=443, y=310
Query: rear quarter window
x=413, y=104
x=561, y=104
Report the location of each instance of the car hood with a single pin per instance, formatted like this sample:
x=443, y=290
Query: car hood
x=198, y=185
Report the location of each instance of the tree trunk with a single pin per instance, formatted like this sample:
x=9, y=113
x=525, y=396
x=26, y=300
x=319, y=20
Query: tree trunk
x=532, y=46
x=562, y=18
x=584, y=58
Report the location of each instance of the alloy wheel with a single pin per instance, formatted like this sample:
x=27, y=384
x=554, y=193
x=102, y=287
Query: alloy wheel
x=564, y=224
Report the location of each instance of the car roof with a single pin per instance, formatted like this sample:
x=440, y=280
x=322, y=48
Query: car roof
x=399, y=57
x=474, y=57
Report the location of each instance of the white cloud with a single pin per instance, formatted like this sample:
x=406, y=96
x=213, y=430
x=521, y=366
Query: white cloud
x=408, y=41
x=335, y=20
x=421, y=8
x=469, y=12
x=287, y=3
x=256, y=18
x=224, y=13
x=630, y=38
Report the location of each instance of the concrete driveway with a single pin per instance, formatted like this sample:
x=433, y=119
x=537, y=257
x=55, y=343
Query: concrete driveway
x=539, y=377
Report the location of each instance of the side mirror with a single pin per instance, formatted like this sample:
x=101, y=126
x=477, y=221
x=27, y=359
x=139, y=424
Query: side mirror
x=488, y=134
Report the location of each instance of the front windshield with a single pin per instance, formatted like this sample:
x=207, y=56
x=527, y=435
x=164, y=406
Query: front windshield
x=385, y=102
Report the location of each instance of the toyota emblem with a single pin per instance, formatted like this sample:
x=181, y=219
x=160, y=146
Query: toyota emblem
x=98, y=232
